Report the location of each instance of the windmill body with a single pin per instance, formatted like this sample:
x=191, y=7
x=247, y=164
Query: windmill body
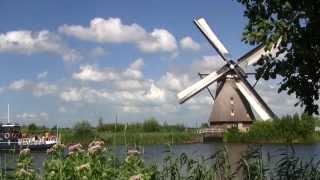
x=230, y=109
x=235, y=98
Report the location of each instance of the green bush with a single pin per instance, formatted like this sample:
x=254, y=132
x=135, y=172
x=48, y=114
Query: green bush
x=233, y=134
x=83, y=130
x=151, y=125
x=288, y=129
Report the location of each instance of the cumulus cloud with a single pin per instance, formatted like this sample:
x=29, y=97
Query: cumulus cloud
x=40, y=118
x=134, y=70
x=157, y=41
x=75, y=94
x=155, y=93
x=188, y=43
x=42, y=75
x=112, y=30
x=38, y=89
x=133, y=92
x=208, y=64
x=174, y=82
x=28, y=42
x=128, y=91
x=278, y=102
x=91, y=73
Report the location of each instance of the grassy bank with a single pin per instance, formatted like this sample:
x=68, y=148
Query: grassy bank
x=132, y=138
x=287, y=130
x=147, y=132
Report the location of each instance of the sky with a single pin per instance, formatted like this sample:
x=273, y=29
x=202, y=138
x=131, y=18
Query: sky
x=66, y=61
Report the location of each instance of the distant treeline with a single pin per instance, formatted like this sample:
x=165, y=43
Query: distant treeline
x=288, y=129
x=148, y=125
x=150, y=131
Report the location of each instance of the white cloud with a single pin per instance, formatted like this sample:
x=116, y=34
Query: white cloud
x=91, y=73
x=134, y=70
x=137, y=64
x=207, y=64
x=27, y=115
x=112, y=30
x=130, y=84
x=134, y=95
x=39, y=118
x=173, y=82
x=38, y=89
x=155, y=93
x=278, y=102
x=83, y=94
x=18, y=85
x=159, y=40
x=132, y=91
x=28, y=42
x=71, y=94
x=188, y=43
x=42, y=75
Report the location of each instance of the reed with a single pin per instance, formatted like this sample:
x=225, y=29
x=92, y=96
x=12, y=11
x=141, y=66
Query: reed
x=98, y=162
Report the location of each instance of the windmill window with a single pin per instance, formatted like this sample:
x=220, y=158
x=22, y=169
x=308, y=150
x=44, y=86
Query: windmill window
x=232, y=112
x=231, y=100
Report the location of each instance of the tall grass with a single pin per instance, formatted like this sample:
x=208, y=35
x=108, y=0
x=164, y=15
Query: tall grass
x=147, y=132
x=97, y=162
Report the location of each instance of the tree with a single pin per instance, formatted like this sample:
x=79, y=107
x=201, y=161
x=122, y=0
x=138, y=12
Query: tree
x=204, y=125
x=83, y=130
x=100, y=126
x=32, y=128
x=297, y=22
x=151, y=125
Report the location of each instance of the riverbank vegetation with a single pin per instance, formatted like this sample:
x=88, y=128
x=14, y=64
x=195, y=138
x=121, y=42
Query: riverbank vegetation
x=288, y=129
x=147, y=132
x=150, y=131
x=98, y=162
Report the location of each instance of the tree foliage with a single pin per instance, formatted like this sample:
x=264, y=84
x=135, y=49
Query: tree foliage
x=288, y=129
x=83, y=130
x=151, y=125
x=297, y=22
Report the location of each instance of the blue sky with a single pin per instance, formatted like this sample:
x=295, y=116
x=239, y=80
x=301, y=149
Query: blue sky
x=64, y=61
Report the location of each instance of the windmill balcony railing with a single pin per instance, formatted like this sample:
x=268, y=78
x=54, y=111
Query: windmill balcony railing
x=210, y=130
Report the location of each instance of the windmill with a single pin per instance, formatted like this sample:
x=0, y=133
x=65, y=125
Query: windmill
x=235, y=97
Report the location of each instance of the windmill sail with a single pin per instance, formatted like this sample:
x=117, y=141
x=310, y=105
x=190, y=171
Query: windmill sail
x=255, y=54
x=211, y=37
x=235, y=98
x=255, y=100
x=198, y=86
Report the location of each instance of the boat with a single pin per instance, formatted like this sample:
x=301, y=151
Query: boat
x=134, y=151
x=11, y=138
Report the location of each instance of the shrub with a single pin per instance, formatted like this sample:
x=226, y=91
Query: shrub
x=288, y=129
x=233, y=134
x=83, y=130
x=151, y=125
